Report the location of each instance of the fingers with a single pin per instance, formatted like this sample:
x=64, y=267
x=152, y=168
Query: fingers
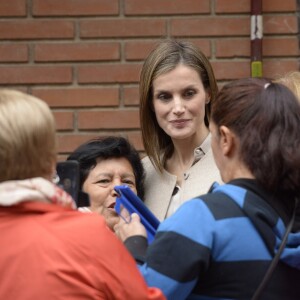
x=135, y=217
x=125, y=230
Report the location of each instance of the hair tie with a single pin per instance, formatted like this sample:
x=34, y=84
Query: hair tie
x=266, y=85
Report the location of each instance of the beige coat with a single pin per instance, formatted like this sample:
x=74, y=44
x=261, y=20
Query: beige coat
x=198, y=179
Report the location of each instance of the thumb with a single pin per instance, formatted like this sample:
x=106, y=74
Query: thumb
x=135, y=217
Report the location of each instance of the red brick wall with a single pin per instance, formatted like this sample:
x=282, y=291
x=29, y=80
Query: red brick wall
x=84, y=57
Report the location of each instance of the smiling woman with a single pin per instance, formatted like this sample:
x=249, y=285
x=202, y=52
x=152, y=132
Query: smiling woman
x=105, y=163
x=179, y=100
x=177, y=88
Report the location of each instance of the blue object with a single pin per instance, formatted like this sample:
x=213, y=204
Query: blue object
x=133, y=204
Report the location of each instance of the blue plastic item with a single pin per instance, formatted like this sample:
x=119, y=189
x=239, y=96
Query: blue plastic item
x=133, y=204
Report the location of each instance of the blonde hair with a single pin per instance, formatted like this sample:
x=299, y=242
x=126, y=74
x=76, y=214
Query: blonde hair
x=292, y=81
x=27, y=137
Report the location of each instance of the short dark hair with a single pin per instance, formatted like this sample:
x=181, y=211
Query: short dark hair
x=266, y=118
x=106, y=148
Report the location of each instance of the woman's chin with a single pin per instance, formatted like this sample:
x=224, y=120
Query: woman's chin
x=111, y=221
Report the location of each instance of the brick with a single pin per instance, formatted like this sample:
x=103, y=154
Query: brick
x=75, y=7
x=13, y=53
x=280, y=46
x=203, y=45
x=166, y=7
x=106, y=73
x=76, y=52
x=55, y=50
x=79, y=97
x=64, y=120
x=279, y=6
x=67, y=142
x=228, y=70
x=232, y=6
x=13, y=8
x=280, y=24
x=135, y=138
x=22, y=89
x=139, y=50
x=276, y=67
x=123, y=28
x=244, y=6
x=230, y=48
x=210, y=26
x=271, y=68
x=35, y=75
x=16, y=88
x=109, y=119
x=47, y=29
x=131, y=96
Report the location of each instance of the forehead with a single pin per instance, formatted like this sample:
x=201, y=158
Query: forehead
x=182, y=74
x=113, y=165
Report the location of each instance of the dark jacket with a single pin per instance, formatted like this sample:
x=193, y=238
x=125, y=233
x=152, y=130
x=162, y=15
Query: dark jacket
x=219, y=246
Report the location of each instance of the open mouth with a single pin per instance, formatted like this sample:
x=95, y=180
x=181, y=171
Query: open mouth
x=112, y=205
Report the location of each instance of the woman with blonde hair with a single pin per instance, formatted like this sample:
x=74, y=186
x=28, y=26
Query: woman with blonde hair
x=49, y=250
x=292, y=81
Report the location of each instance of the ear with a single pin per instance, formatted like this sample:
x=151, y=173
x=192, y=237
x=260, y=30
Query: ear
x=207, y=100
x=227, y=140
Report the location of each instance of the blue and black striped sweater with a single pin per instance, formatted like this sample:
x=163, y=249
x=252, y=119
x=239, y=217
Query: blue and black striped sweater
x=219, y=246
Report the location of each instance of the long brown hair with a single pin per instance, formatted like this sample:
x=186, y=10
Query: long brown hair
x=163, y=59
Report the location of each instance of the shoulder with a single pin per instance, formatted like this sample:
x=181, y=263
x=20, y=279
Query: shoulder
x=76, y=228
x=85, y=235
x=90, y=223
x=147, y=164
x=218, y=204
x=150, y=171
x=206, y=168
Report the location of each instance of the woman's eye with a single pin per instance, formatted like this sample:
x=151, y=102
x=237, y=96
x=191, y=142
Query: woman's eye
x=164, y=97
x=129, y=182
x=103, y=181
x=189, y=93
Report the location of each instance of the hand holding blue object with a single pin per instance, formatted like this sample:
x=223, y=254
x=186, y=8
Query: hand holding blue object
x=128, y=202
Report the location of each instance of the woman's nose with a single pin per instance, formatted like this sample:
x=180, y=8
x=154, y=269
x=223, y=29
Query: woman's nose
x=178, y=106
x=114, y=193
x=115, y=182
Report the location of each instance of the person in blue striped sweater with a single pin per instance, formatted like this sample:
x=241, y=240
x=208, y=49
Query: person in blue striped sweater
x=221, y=245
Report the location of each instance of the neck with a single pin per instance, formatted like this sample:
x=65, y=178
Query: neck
x=184, y=148
x=183, y=156
x=236, y=171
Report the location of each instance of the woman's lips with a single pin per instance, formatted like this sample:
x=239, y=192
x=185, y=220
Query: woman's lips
x=112, y=205
x=180, y=122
